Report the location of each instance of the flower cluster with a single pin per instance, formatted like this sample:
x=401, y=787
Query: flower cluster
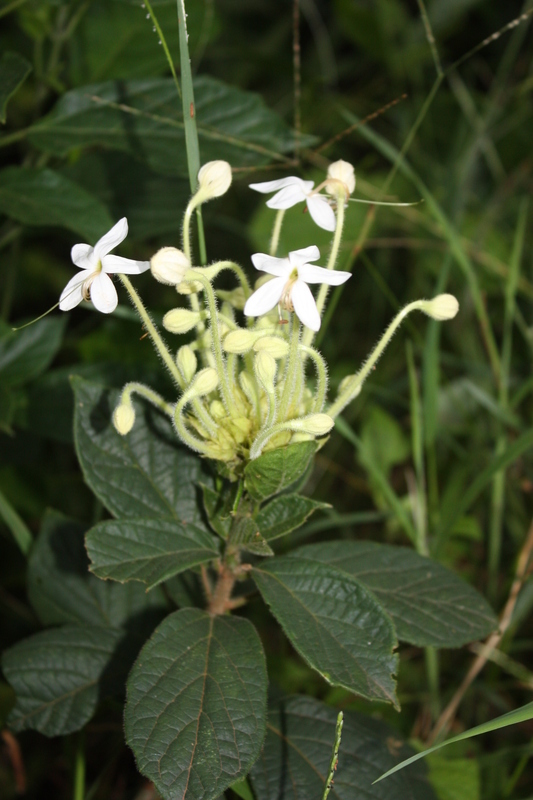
x=242, y=378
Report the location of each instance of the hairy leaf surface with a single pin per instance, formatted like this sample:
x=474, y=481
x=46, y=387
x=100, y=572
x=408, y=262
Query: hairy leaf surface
x=278, y=469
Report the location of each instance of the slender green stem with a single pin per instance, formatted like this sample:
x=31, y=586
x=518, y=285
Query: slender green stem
x=11, y=7
x=292, y=368
x=158, y=342
x=144, y=391
x=276, y=230
x=79, y=770
x=432, y=672
x=13, y=137
x=334, y=756
x=183, y=432
x=420, y=511
x=163, y=43
x=430, y=37
x=321, y=374
x=227, y=394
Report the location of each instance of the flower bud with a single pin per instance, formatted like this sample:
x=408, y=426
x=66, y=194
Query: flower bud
x=204, y=382
x=239, y=341
x=444, y=306
x=169, y=265
x=275, y=346
x=123, y=418
x=187, y=362
x=265, y=369
x=316, y=424
x=247, y=385
x=341, y=171
x=214, y=180
x=180, y=320
x=217, y=410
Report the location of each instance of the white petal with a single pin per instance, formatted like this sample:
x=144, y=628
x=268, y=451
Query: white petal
x=72, y=294
x=126, y=265
x=281, y=183
x=111, y=239
x=313, y=274
x=321, y=212
x=82, y=256
x=305, y=306
x=287, y=197
x=280, y=267
x=265, y=298
x=103, y=294
x=299, y=257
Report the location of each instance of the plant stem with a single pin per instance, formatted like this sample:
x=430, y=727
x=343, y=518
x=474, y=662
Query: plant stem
x=276, y=230
x=79, y=770
x=154, y=333
x=292, y=368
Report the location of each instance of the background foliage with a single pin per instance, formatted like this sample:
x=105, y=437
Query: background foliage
x=438, y=447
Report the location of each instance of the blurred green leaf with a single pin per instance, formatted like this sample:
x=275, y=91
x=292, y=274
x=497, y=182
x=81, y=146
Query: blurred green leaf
x=334, y=622
x=143, y=118
x=455, y=778
x=19, y=530
x=147, y=550
x=27, y=353
x=278, y=469
x=283, y=514
x=196, y=704
x=61, y=589
x=44, y=197
x=14, y=69
x=429, y=604
x=297, y=750
x=383, y=439
x=144, y=474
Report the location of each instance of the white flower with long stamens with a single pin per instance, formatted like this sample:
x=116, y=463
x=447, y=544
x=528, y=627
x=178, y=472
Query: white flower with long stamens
x=93, y=282
x=289, y=286
x=293, y=190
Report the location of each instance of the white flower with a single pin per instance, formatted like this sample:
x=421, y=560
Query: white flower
x=95, y=262
x=289, y=287
x=294, y=190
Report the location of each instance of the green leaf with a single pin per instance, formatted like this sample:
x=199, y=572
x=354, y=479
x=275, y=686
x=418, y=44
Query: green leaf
x=285, y=513
x=44, y=197
x=14, y=69
x=25, y=354
x=429, y=604
x=233, y=125
x=218, y=506
x=383, y=439
x=58, y=676
x=246, y=534
x=523, y=714
x=144, y=474
x=61, y=588
x=19, y=530
x=295, y=759
x=276, y=470
x=147, y=550
x=334, y=622
x=196, y=705
x=455, y=778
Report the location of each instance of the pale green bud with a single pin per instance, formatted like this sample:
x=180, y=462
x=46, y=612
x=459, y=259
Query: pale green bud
x=180, y=320
x=341, y=171
x=217, y=410
x=265, y=369
x=247, y=385
x=189, y=287
x=123, y=418
x=204, y=382
x=214, y=180
x=275, y=346
x=442, y=307
x=315, y=424
x=169, y=265
x=239, y=341
x=187, y=362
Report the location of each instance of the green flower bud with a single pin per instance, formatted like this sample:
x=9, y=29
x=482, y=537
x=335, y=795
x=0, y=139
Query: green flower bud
x=442, y=307
x=265, y=369
x=187, y=362
x=275, y=346
x=204, y=382
x=239, y=341
x=214, y=180
x=217, y=410
x=123, y=418
x=341, y=171
x=180, y=320
x=315, y=424
x=169, y=265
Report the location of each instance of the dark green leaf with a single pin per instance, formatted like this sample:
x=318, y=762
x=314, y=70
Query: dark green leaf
x=218, y=510
x=285, y=513
x=277, y=469
x=147, y=550
x=44, y=197
x=19, y=530
x=246, y=534
x=429, y=604
x=334, y=622
x=144, y=474
x=57, y=676
x=196, y=706
x=14, y=69
x=61, y=588
x=232, y=124
x=25, y=354
x=295, y=759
